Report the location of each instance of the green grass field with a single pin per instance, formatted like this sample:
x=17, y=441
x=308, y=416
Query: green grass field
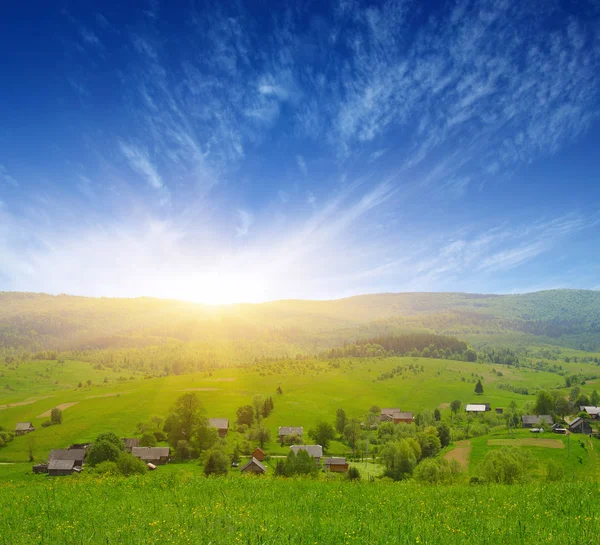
x=312, y=391
x=168, y=508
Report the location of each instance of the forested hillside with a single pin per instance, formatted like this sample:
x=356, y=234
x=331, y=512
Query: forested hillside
x=33, y=322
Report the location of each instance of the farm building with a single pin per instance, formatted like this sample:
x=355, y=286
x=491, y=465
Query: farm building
x=593, y=412
x=77, y=456
x=580, y=425
x=396, y=416
x=315, y=451
x=254, y=466
x=338, y=465
x=40, y=468
x=153, y=455
x=285, y=432
x=477, y=407
x=558, y=428
x=23, y=428
x=499, y=410
x=57, y=468
x=130, y=443
x=534, y=420
x=222, y=425
x=259, y=454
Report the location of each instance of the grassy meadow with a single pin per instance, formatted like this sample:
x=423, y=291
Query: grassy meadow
x=182, y=508
x=312, y=391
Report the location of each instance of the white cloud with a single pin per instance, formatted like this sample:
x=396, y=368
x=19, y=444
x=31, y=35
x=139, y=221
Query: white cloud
x=301, y=164
x=246, y=219
x=140, y=162
x=6, y=178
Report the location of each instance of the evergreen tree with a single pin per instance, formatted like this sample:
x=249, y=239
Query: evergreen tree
x=479, y=388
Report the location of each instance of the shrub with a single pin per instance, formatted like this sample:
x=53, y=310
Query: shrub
x=507, y=465
x=128, y=464
x=216, y=463
x=160, y=435
x=101, y=452
x=436, y=471
x=46, y=424
x=148, y=440
x=353, y=474
x=106, y=468
x=112, y=438
x=554, y=471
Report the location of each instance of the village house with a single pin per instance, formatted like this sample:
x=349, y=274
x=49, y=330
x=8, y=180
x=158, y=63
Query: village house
x=57, y=468
x=477, y=408
x=580, y=425
x=259, y=454
x=285, y=432
x=535, y=420
x=396, y=416
x=593, y=412
x=40, y=468
x=77, y=456
x=221, y=424
x=499, y=410
x=130, y=443
x=315, y=451
x=152, y=455
x=254, y=466
x=23, y=428
x=337, y=465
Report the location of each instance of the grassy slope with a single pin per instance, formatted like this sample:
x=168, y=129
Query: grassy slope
x=308, y=396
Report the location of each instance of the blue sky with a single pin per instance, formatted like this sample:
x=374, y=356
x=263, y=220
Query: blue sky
x=221, y=152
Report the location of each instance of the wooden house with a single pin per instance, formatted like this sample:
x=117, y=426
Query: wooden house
x=77, y=456
x=580, y=425
x=337, y=465
x=254, y=466
x=23, y=428
x=535, y=420
x=40, y=468
x=396, y=416
x=259, y=454
x=153, y=455
x=499, y=410
x=130, y=443
x=221, y=424
x=57, y=468
x=286, y=432
x=315, y=451
x=593, y=412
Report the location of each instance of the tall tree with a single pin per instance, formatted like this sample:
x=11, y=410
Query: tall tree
x=455, y=406
x=479, y=388
x=544, y=403
x=187, y=415
x=340, y=421
x=245, y=415
x=322, y=434
x=595, y=398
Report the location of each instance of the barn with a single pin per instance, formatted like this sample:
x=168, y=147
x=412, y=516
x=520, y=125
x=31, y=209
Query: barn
x=254, y=466
x=152, y=455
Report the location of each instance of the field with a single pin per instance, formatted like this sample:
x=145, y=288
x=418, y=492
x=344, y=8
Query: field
x=183, y=508
x=312, y=391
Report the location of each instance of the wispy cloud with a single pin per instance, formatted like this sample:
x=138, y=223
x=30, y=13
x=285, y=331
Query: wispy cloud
x=245, y=221
x=140, y=162
x=301, y=164
x=6, y=178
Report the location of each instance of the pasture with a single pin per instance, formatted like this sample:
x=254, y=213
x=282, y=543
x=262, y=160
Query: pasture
x=312, y=391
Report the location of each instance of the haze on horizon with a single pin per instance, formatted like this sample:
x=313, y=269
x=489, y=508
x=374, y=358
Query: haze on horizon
x=226, y=153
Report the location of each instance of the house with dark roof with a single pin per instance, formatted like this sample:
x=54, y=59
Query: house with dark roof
x=23, y=428
x=336, y=465
x=535, y=420
x=221, y=424
x=254, y=466
x=259, y=454
x=396, y=416
x=580, y=425
x=286, y=432
x=76, y=455
x=130, y=443
x=57, y=468
x=315, y=451
x=152, y=455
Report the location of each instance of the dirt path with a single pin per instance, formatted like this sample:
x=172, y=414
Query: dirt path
x=460, y=453
x=533, y=442
x=62, y=407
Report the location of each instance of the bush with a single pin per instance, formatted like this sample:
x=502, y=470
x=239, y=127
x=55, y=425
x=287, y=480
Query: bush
x=46, y=424
x=128, y=464
x=106, y=468
x=216, y=463
x=148, y=440
x=160, y=436
x=112, y=438
x=353, y=474
x=101, y=452
x=554, y=471
x=437, y=471
x=507, y=465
